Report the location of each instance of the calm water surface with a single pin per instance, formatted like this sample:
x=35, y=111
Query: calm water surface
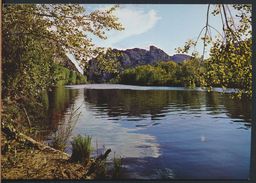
x=161, y=132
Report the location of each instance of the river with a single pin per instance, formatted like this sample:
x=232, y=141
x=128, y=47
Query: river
x=160, y=132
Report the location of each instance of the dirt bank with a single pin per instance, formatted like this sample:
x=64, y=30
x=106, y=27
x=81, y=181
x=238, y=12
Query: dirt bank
x=25, y=158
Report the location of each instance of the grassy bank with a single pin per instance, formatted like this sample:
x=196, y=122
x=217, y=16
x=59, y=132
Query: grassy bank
x=28, y=160
x=24, y=158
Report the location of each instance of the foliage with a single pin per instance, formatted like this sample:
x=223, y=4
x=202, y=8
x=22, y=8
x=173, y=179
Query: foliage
x=80, y=79
x=14, y=113
x=26, y=68
x=65, y=26
x=34, y=37
x=144, y=75
x=171, y=69
x=81, y=149
x=43, y=32
x=106, y=66
x=190, y=72
x=66, y=76
x=164, y=74
x=229, y=64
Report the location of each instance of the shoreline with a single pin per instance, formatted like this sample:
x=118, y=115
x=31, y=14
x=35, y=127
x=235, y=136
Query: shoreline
x=30, y=159
x=118, y=86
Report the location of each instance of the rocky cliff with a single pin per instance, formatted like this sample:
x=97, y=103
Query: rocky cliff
x=131, y=58
x=136, y=56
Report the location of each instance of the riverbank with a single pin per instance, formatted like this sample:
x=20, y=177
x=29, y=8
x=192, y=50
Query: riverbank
x=24, y=158
x=106, y=86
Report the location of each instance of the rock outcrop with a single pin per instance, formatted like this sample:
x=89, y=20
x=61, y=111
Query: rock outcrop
x=131, y=58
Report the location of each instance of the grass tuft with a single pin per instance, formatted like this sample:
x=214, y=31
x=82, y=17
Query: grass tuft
x=117, y=167
x=81, y=149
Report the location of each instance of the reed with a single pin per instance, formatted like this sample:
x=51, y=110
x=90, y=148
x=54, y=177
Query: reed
x=117, y=167
x=60, y=138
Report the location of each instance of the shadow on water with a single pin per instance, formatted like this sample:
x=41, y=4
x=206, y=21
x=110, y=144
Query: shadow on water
x=157, y=103
x=141, y=103
x=60, y=101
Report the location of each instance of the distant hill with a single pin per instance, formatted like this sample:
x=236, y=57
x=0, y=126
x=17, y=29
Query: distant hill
x=136, y=56
x=131, y=58
x=178, y=58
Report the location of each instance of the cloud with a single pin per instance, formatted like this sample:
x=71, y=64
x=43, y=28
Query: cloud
x=135, y=21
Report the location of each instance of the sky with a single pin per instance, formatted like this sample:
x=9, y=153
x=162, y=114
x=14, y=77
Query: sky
x=166, y=26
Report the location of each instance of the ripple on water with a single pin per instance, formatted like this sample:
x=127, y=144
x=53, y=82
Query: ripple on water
x=164, y=131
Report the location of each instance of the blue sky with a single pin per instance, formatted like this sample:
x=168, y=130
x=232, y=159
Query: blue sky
x=165, y=26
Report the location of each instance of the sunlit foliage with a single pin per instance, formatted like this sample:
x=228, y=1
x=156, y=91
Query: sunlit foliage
x=229, y=64
x=165, y=74
x=35, y=38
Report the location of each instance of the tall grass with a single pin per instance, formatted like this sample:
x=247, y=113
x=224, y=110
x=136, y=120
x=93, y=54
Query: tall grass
x=117, y=163
x=60, y=138
x=81, y=149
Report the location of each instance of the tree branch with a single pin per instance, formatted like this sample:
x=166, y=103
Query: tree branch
x=206, y=30
x=231, y=17
x=227, y=24
x=216, y=31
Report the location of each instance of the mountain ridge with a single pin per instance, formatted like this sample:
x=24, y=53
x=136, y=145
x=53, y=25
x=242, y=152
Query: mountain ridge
x=134, y=57
x=153, y=55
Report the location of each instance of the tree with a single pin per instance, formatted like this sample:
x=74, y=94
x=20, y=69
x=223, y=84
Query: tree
x=35, y=34
x=64, y=26
x=229, y=64
x=171, y=69
x=189, y=74
x=105, y=66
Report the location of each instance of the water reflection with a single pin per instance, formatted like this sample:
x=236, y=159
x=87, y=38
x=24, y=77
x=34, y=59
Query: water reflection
x=107, y=132
x=156, y=104
x=182, y=133
x=60, y=100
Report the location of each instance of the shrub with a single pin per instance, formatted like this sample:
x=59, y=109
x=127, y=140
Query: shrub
x=81, y=149
x=72, y=77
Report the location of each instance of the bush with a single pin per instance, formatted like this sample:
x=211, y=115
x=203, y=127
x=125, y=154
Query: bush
x=81, y=79
x=169, y=73
x=81, y=149
x=144, y=75
x=65, y=76
x=72, y=77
